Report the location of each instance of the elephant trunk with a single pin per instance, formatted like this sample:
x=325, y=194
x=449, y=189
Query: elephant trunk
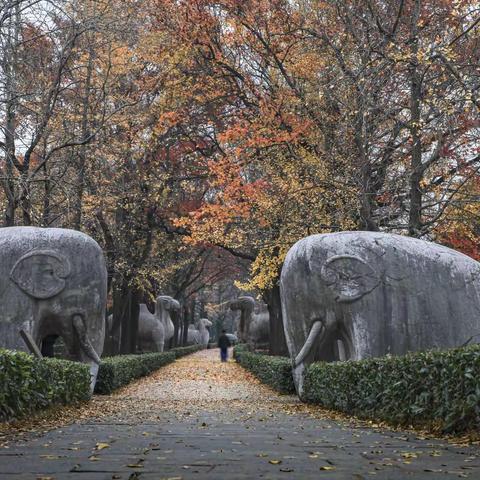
x=87, y=348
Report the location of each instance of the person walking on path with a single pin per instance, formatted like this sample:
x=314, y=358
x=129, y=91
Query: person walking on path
x=223, y=344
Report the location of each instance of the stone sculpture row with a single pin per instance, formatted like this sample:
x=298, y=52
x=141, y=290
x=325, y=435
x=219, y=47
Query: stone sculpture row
x=53, y=283
x=347, y=295
x=356, y=295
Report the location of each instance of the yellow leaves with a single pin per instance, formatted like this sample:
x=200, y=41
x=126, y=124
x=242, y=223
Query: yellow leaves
x=275, y=462
x=328, y=467
x=409, y=455
x=266, y=268
x=101, y=445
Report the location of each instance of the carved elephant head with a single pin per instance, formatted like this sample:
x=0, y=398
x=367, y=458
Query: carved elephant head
x=319, y=288
x=53, y=285
x=244, y=302
x=354, y=295
x=41, y=274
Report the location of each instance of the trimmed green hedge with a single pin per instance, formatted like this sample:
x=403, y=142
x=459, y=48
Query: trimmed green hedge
x=436, y=388
x=182, y=351
x=28, y=384
x=117, y=371
x=274, y=371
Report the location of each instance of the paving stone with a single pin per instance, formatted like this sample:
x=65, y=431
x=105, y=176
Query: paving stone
x=261, y=437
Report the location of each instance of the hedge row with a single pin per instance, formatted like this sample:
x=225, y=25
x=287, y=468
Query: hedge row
x=182, y=351
x=28, y=384
x=436, y=388
x=117, y=371
x=274, y=371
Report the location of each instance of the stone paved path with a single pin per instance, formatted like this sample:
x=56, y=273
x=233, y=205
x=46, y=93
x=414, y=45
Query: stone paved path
x=199, y=419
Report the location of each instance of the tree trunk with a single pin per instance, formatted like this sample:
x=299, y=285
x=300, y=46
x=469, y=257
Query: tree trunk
x=278, y=344
x=125, y=315
x=82, y=154
x=9, y=66
x=416, y=173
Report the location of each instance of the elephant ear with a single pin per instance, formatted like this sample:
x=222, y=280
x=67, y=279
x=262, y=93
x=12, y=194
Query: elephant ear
x=350, y=278
x=41, y=273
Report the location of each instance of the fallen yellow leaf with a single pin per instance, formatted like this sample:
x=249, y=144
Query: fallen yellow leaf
x=101, y=446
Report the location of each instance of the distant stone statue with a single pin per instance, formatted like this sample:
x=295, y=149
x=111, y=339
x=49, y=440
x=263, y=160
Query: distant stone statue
x=354, y=295
x=154, y=330
x=53, y=283
x=164, y=308
x=201, y=334
x=253, y=327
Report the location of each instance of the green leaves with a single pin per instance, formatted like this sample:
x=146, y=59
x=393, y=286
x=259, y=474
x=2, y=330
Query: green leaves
x=114, y=372
x=274, y=371
x=29, y=384
x=441, y=387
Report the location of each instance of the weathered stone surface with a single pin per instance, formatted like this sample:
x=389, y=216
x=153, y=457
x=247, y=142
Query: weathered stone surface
x=353, y=295
x=53, y=282
x=253, y=327
x=201, y=334
x=154, y=330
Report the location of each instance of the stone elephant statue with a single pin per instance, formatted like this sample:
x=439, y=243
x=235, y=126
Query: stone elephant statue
x=154, y=330
x=201, y=334
x=354, y=295
x=254, y=328
x=53, y=283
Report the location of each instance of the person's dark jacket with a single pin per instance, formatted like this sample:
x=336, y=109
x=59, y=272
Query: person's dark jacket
x=223, y=341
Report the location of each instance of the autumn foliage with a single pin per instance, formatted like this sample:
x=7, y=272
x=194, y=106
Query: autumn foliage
x=192, y=137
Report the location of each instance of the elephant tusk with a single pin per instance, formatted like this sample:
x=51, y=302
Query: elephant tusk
x=87, y=347
x=317, y=327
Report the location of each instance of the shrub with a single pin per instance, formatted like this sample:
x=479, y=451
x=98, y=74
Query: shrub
x=117, y=371
x=274, y=371
x=28, y=384
x=182, y=351
x=434, y=388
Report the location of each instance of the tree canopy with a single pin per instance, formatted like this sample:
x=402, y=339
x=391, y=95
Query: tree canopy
x=198, y=139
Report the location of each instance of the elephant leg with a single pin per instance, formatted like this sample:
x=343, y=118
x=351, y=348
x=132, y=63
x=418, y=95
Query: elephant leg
x=87, y=348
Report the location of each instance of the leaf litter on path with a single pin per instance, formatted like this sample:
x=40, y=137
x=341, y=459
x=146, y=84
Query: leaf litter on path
x=191, y=385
